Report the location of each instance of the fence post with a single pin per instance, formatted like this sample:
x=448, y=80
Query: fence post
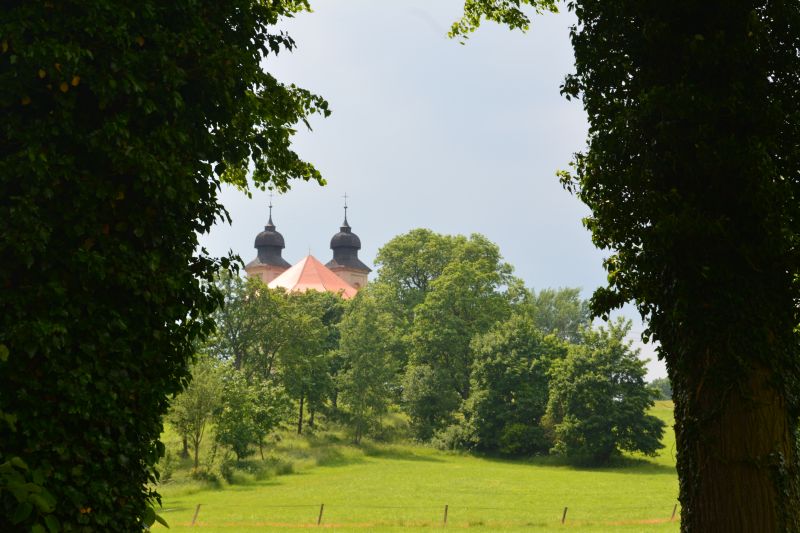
x=196, y=512
x=564, y=516
x=321, y=508
x=674, y=509
x=445, y=514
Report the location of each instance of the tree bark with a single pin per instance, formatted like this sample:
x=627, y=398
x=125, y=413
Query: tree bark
x=185, y=450
x=300, y=417
x=196, y=454
x=736, y=454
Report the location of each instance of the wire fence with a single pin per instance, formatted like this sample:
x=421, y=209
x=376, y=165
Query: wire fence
x=341, y=514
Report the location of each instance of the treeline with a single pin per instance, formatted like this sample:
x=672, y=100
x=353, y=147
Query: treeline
x=446, y=334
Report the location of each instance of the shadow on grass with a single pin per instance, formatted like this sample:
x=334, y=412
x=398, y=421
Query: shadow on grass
x=400, y=454
x=617, y=465
x=336, y=457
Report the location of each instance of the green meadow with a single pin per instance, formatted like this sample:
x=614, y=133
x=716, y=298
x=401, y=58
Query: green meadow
x=393, y=487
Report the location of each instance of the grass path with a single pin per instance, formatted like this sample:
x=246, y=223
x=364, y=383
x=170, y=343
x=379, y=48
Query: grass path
x=393, y=488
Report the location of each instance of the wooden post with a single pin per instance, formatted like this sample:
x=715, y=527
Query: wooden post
x=564, y=516
x=196, y=512
x=321, y=508
x=445, y=514
x=674, y=510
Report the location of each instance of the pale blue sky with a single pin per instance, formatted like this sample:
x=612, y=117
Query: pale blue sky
x=428, y=133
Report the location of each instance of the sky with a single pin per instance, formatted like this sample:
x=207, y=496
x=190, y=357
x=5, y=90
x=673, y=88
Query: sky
x=427, y=132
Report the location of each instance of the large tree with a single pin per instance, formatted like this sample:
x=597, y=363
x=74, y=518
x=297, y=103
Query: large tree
x=692, y=174
x=118, y=121
x=598, y=400
x=510, y=386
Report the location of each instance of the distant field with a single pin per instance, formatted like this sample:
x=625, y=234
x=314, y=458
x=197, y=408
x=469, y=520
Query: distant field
x=394, y=487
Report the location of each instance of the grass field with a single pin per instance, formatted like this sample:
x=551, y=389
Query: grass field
x=403, y=487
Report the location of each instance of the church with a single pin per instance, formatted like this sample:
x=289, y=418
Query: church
x=344, y=274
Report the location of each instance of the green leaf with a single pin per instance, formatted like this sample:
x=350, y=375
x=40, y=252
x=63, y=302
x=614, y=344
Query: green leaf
x=149, y=516
x=161, y=521
x=19, y=463
x=52, y=523
x=22, y=512
x=3, y=353
x=42, y=503
x=38, y=528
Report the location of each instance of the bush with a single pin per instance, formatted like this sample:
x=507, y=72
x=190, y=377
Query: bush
x=523, y=440
x=454, y=437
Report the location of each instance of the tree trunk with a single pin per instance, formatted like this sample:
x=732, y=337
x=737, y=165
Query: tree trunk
x=196, y=453
x=300, y=418
x=739, y=476
x=311, y=412
x=185, y=450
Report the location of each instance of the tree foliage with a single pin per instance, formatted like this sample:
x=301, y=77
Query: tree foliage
x=252, y=326
x=428, y=399
x=192, y=411
x=510, y=385
x=305, y=363
x=250, y=409
x=368, y=376
x=662, y=387
x=561, y=312
x=691, y=175
x=118, y=122
x=599, y=400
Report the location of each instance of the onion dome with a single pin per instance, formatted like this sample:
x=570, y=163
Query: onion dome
x=345, y=238
x=269, y=244
x=345, y=246
x=270, y=237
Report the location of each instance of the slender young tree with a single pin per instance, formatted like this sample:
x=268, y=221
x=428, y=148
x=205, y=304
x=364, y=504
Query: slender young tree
x=192, y=410
x=692, y=174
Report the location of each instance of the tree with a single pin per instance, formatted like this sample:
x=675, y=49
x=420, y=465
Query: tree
x=119, y=121
x=234, y=330
x=691, y=175
x=410, y=262
x=367, y=378
x=428, y=400
x=250, y=409
x=561, y=312
x=463, y=301
x=662, y=387
x=305, y=361
x=193, y=409
x=442, y=291
x=510, y=381
x=598, y=399
x=252, y=326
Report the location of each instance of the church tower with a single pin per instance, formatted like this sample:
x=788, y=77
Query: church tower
x=268, y=264
x=345, y=262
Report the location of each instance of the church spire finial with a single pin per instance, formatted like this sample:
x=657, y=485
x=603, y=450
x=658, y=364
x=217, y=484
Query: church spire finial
x=345, y=210
x=270, y=223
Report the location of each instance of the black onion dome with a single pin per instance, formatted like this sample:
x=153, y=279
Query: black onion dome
x=270, y=237
x=345, y=246
x=345, y=238
x=269, y=244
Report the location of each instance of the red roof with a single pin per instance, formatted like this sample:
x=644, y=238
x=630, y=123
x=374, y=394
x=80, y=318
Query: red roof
x=310, y=274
